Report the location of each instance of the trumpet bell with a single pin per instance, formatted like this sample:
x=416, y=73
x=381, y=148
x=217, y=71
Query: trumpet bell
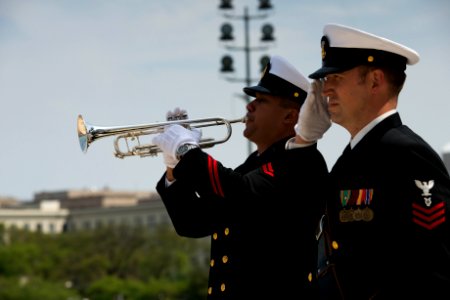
x=82, y=134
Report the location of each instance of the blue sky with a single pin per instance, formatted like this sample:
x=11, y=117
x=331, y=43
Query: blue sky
x=129, y=62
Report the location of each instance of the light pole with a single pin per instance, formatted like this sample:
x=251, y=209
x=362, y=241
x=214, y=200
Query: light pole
x=227, y=36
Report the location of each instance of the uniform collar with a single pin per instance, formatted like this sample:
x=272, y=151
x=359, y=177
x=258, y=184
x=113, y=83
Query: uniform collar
x=358, y=137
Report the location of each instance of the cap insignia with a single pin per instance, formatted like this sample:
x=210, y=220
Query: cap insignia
x=266, y=70
x=324, y=43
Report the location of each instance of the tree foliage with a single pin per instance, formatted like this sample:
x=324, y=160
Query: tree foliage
x=107, y=263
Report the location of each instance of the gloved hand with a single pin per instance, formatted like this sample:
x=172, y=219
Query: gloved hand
x=174, y=136
x=181, y=114
x=176, y=114
x=171, y=161
x=314, y=118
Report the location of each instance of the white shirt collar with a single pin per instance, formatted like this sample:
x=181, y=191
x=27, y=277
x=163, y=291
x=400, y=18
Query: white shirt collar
x=358, y=137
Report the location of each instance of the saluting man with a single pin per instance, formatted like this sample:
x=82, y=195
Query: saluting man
x=388, y=223
x=263, y=243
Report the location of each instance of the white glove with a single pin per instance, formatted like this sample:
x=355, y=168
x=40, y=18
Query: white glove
x=196, y=133
x=171, y=161
x=176, y=114
x=174, y=136
x=314, y=118
x=181, y=114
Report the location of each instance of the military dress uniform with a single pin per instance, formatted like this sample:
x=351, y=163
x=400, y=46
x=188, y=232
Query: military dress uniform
x=387, y=230
x=262, y=239
x=263, y=242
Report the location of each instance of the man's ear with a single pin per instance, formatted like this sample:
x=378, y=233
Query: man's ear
x=377, y=78
x=292, y=116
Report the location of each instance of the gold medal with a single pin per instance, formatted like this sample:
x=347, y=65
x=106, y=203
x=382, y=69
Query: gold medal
x=357, y=214
x=346, y=215
x=367, y=214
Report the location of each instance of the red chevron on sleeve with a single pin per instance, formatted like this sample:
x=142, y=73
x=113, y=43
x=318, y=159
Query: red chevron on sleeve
x=428, y=217
x=268, y=169
x=214, y=177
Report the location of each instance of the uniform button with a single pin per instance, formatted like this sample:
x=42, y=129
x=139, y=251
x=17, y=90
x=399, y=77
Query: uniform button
x=215, y=235
x=227, y=231
x=211, y=262
x=310, y=277
x=209, y=290
x=222, y=287
x=224, y=259
x=335, y=245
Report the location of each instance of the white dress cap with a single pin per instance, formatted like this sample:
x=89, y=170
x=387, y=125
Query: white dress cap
x=341, y=36
x=280, y=78
x=344, y=48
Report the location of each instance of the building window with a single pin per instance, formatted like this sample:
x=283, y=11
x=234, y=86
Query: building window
x=86, y=225
x=65, y=227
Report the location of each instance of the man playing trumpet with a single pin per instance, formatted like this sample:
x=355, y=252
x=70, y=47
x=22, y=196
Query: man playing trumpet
x=260, y=234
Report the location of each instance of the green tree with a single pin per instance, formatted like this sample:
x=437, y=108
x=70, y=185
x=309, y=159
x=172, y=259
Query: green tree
x=108, y=263
x=26, y=288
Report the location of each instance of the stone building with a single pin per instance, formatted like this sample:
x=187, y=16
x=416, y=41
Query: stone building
x=56, y=212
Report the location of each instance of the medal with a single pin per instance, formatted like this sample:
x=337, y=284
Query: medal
x=357, y=214
x=346, y=215
x=367, y=214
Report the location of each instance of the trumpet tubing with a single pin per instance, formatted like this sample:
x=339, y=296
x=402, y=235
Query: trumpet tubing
x=130, y=135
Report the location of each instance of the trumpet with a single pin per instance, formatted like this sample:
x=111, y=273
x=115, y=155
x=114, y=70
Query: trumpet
x=88, y=133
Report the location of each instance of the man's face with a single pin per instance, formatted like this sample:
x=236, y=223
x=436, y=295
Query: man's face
x=348, y=98
x=265, y=117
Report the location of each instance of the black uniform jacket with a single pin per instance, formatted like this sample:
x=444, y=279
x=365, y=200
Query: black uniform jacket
x=261, y=218
x=389, y=217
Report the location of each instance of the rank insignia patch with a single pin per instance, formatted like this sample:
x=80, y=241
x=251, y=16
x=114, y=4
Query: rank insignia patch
x=268, y=169
x=425, y=187
x=428, y=217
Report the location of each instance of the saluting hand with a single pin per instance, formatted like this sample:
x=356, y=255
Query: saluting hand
x=314, y=118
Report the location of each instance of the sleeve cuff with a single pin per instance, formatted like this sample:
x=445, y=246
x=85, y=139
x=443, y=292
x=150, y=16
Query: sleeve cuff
x=290, y=144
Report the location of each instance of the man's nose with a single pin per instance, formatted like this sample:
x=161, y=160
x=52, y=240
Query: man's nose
x=325, y=89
